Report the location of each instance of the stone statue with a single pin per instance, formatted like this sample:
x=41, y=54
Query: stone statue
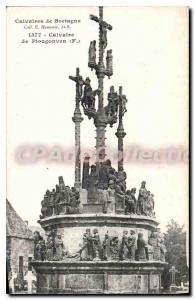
x=43, y=249
x=51, y=232
x=51, y=203
x=97, y=250
x=149, y=205
x=115, y=248
x=142, y=198
x=50, y=249
x=90, y=250
x=104, y=170
x=88, y=100
x=112, y=175
x=109, y=63
x=47, y=205
x=124, y=252
x=44, y=206
x=57, y=189
x=103, y=181
x=141, y=247
x=131, y=244
x=62, y=197
x=160, y=241
x=153, y=242
x=151, y=201
x=122, y=176
x=80, y=86
x=37, y=245
x=85, y=178
x=92, y=185
x=113, y=103
x=119, y=197
x=111, y=197
x=119, y=188
x=62, y=188
x=130, y=201
x=106, y=255
x=92, y=55
x=84, y=248
x=104, y=36
x=103, y=199
x=123, y=103
x=59, y=246
x=73, y=207
x=57, y=200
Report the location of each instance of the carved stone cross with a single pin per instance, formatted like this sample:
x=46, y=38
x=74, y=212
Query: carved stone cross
x=103, y=27
x=100, y=20
x=79, y=84
x=173, y=271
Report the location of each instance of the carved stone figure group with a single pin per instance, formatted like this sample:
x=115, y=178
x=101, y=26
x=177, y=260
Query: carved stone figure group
x=144, y=205
x=145, y=202
x=51, y=250
x=61, y=200
x=106, y=185
x=91, y=246
x=129, y=247
x=92, y=58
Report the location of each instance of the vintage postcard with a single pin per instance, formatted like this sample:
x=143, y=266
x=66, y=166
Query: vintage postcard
x=97, y=150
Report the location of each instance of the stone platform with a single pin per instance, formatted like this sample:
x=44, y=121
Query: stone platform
x=72, y=276
x=100, y=277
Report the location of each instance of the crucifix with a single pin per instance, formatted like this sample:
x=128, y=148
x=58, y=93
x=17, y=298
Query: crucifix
x=100, y=119
x=100, y=68
x=79, y=85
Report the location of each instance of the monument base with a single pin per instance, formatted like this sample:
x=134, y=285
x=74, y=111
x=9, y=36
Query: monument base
x=100, y=277
x=173, y=288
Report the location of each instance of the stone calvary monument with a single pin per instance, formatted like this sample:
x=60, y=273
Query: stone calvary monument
x=101, y=238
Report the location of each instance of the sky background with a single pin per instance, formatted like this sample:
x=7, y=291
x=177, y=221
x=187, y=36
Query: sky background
x=150, y=50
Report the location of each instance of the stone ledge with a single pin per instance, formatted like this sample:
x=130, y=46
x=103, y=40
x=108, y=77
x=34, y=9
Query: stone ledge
x=99, y=266
x=99, y=220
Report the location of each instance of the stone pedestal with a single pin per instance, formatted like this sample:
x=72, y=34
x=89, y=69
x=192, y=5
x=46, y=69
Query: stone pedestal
x=120, y=204
x=173, y=288
x=98, y=277
x=92, y=208
x=72, y=276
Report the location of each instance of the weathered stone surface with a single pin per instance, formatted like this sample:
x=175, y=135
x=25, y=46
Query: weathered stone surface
x=92, y=208
x=114, y=224
x=154, y=283
x=99, y=277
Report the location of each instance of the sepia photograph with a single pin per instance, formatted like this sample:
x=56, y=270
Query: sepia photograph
x=97, y=150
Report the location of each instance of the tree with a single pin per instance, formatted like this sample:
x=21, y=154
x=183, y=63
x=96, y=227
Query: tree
x=175, y=242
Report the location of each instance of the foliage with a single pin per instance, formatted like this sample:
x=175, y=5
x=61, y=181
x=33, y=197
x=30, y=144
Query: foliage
x=175, y=242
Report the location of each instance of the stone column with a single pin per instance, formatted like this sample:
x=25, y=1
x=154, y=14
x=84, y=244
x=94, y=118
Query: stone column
x=120, y=132
x=77, y=119
x=100, y=119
